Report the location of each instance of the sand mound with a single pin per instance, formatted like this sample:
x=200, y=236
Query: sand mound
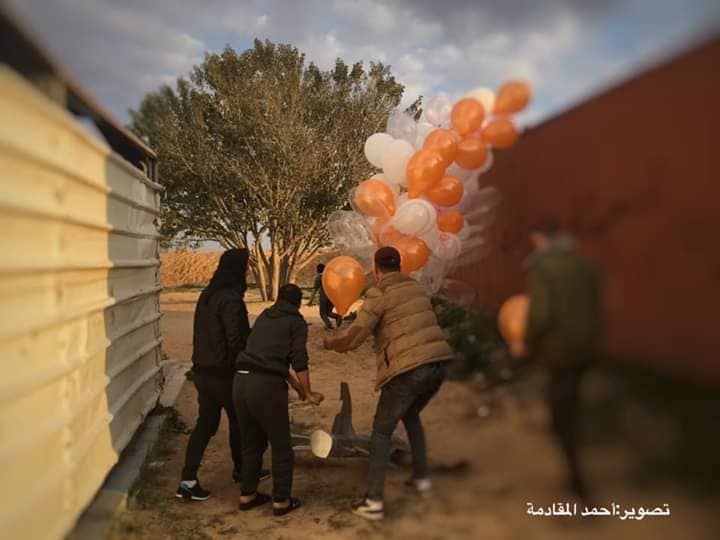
x=184, y=268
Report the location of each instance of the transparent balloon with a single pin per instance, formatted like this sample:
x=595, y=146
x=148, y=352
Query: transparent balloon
x=458, y=172
x=423, y=130
x=431, y=275
x=395, y=161
x=449, y=247
x=402, y=126
x=375, y=147
x=437, y=110
x=488, y=163
x=351, y=234
x=458, y=292
x=414, y=217
x=431, y=238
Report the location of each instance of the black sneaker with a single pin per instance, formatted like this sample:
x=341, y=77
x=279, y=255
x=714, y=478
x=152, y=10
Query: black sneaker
x=195, y=493
x=264, y=475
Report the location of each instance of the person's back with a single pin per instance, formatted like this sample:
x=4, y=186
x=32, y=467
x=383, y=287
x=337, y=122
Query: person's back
x=214, y=351
x=278, y=335
x=563, y=332
x=411, y=357
x=220, y=329
x=407, y=335
x=277, y=343
x=565, y=318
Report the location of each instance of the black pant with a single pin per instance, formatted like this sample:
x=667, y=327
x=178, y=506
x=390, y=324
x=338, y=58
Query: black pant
x=261, y=402
x=214, y=395
x=563, y=396
x=403, y=398
x=326, y=313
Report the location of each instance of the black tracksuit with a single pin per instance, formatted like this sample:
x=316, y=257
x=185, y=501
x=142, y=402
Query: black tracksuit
x=278, y=340
x=220, y=330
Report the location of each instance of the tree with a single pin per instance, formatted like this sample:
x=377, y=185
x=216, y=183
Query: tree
x=262, y=146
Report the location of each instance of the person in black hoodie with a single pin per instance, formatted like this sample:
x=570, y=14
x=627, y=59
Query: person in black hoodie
x=220, y=331
x=277, y=343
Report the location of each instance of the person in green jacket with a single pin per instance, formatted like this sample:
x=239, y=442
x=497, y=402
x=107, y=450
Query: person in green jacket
x=563, y=331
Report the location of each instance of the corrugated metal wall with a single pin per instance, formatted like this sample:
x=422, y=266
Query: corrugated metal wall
x=79, y=325
x=633, y=174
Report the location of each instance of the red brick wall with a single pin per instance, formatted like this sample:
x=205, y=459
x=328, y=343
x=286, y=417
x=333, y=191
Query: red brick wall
x=635, y=175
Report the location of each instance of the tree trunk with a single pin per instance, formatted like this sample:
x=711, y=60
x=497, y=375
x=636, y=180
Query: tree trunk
x=275, y=279
x=261, y=273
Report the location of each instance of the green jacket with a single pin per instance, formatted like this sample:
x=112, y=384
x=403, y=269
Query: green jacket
x=564, y=323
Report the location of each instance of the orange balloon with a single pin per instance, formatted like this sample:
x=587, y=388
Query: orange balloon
x=343, y=281
x=385, y=235
x=467, y=115
x=450, y=222
x=444, y=142
x=414, y=253
x=447, y=192
x=501, y=133
x=425, y=169
x=512, y=97
x=472, y=153
x=512, y=318
x=375, y=199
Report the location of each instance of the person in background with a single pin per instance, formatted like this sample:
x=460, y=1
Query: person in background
x=277, y=343
x=563, y=332
x=411, y=356
x=326, y=306
x=220, y=330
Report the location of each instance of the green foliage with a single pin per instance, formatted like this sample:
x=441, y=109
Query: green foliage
x=472, y=335
x=260, y=144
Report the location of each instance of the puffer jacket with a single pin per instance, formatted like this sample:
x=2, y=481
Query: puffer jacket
x=565, y=323
x=399, y=314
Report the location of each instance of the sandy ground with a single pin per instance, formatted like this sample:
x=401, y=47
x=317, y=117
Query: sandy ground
x=512, y=462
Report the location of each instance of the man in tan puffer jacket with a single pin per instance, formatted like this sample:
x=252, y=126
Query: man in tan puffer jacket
x=411, y=355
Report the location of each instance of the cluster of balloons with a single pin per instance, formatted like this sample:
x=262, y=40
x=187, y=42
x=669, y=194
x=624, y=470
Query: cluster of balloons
x=426, y=202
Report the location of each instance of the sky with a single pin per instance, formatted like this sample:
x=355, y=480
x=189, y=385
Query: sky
x=568, y=50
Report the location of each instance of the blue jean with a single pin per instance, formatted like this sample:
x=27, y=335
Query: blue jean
x=403, y=398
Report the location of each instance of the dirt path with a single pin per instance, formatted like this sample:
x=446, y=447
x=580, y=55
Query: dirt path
x=512, y=462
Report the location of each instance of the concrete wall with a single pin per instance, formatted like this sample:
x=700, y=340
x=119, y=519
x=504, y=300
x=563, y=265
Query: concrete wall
x=634, y=175
x=79, y=331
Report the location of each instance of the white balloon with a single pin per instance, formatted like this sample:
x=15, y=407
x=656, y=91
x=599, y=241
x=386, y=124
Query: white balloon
x=395, y=188
x=395, y=159
x=415, y=217
x=449, y=247
x=437, y=110
x=375, y=146
x=484, y=96
x=402, y=126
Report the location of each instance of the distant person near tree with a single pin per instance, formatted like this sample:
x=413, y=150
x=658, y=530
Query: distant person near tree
x=220, y=330
x=326, y=306
x=563, y=332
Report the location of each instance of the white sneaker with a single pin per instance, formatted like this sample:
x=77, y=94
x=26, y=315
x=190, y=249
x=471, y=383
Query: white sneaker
x=422, y=485
x=368, y=509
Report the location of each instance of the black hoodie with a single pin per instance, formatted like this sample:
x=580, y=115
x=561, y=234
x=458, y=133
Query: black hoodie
x=221, y=326
x=278, y=340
